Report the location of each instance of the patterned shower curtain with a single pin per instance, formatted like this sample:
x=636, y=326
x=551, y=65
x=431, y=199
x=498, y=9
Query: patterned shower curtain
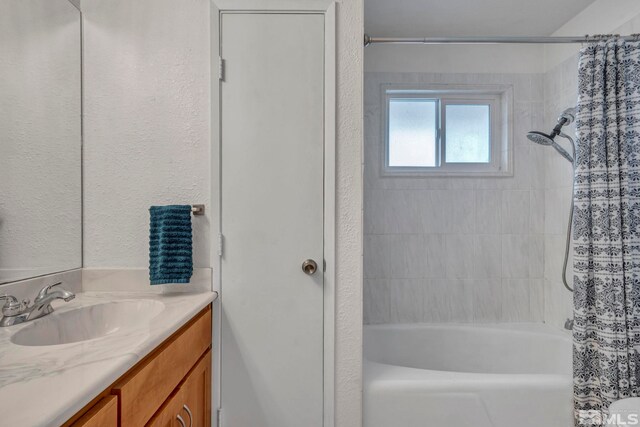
x=606, y=227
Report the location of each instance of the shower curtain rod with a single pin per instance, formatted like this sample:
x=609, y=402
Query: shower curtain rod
x=368, y=40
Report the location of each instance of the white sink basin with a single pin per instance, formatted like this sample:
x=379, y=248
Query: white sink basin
x=86, y=323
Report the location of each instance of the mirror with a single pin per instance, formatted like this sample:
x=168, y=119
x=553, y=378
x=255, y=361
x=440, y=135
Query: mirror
x=40, y=138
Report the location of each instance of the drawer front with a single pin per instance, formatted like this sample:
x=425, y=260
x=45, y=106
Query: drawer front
x=102, y=414
x=191, y=402
x=144, y=390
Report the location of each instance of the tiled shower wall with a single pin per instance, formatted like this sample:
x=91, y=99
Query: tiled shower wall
x=455, y=249
x=560, y=92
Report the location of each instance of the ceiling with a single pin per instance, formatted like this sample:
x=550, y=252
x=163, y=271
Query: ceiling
x=451, y=18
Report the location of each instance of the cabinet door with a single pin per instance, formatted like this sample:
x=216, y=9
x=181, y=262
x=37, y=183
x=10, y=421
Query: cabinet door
x=168, y=414
x=103, y=414
x=144, y=389
x=197, y=394
x=190, y=402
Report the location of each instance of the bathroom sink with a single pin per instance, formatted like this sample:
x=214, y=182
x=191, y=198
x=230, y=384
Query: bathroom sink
x=86, y=323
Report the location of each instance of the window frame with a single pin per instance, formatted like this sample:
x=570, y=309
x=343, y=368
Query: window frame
x=498, y=97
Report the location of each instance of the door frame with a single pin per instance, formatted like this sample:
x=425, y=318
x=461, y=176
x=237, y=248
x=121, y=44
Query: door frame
x=328, y=9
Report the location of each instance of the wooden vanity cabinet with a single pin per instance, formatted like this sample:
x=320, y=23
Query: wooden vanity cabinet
x=174, y=380
x=191, y=401
x=197, y=392
x=102, y=414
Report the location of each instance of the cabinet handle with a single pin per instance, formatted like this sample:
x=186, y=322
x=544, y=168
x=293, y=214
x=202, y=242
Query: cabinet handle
x=181, y=421
x=186, y=408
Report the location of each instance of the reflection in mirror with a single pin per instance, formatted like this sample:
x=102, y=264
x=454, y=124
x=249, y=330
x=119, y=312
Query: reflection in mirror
x=40, y=138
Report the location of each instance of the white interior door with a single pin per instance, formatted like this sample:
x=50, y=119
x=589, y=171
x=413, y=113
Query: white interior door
x=272, y=145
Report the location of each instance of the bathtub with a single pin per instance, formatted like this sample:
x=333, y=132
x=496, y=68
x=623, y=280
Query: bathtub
x=507, y=375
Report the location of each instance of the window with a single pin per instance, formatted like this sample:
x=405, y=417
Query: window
x=451, y=131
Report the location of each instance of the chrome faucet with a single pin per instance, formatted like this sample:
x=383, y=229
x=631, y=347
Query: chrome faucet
x=14, y=312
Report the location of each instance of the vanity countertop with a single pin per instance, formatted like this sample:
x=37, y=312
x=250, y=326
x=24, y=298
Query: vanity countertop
x=47, y=385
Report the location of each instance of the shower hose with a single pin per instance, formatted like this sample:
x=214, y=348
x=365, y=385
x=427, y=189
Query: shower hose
x=567, y=246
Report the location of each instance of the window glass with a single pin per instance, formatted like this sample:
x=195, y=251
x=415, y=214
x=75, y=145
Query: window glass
x=467, y=133
x=412, y=132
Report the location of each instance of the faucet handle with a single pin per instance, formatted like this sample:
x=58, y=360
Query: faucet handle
x=12, y=307
x=44, y=291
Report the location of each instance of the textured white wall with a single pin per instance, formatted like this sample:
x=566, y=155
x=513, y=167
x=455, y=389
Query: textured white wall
x=348, y=333
x=40, y=146
x=147, y=142
x=147, y=139
x=455, y=249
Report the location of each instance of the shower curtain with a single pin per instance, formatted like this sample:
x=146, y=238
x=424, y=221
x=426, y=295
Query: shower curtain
x=606, y=228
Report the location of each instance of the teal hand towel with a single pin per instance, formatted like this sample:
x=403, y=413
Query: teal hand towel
x=170, y=244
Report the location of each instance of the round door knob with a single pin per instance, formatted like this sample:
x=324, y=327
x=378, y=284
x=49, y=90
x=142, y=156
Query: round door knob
x=309, y=267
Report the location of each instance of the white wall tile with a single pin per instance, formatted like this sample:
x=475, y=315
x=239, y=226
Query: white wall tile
x=536, y=256
x=459, y=256
x=558, y=171
x=487, y=300
x=522, y=121
x=560, y=92
x=395, y=256
x=435, y=256
x=488, y=256
x=521, y=86
x=406, y=300
x=558, y=303
x=451, y=242
x=536, y=300
x=536, y=212
x=443, y=206
x=556, y=211
x=376, y=301
x=461, y=214
x=515, y=256
x=392, y=212
x=515, y=297
x=448, y=301
x=522, y=166
x=537, y=158
x=434, y=207
x=537, y=87
x=554, y=249
x=489, y=211
x=569, y=81
x=515, y=211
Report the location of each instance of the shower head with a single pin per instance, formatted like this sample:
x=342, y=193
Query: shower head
x=540, y=138
x=566, y=118
x=544, y=139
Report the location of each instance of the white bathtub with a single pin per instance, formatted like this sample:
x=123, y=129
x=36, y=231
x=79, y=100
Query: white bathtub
x=508, y=375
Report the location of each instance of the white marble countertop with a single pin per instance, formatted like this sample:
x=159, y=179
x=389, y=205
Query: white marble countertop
x=46, y=385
